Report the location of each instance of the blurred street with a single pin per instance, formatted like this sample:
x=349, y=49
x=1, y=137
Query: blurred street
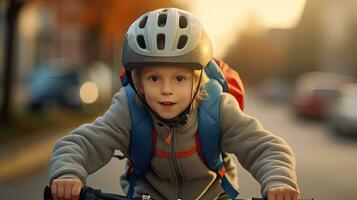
x=326, y=163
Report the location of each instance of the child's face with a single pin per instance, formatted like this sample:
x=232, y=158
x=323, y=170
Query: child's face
x=167, y=89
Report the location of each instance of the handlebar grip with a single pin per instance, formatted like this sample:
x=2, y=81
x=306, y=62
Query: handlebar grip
x=47, y=193
x=87, y=193
x=263, y=198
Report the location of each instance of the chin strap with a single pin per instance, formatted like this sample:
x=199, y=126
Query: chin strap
x=182, y=118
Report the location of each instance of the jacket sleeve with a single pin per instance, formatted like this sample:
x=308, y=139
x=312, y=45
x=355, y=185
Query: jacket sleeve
x=91, y=146
x=267, y=157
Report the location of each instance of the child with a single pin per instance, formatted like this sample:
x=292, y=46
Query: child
x=164, y=54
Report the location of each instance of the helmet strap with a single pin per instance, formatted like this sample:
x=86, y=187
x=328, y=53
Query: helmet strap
x=186, y=113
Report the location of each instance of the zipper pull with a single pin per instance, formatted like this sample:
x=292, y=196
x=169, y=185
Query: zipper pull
x=169, y=136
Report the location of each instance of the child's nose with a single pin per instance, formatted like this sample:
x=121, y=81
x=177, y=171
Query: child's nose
x=166, y=88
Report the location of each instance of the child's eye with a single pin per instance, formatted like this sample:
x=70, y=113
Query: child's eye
x=179, y=78
x=153, y=78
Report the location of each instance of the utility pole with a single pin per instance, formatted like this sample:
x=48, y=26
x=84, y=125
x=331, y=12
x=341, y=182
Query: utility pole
x=12, y=12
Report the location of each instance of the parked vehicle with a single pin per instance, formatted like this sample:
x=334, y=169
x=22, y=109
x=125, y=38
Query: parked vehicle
x=343, y=115
x=275, y=90
x=50, y=86
x=315, y=93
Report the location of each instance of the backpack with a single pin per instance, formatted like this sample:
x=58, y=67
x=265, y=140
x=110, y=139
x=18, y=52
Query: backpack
x=221, y=79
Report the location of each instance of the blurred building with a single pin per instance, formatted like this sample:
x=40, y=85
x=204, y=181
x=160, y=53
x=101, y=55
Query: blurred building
x=339, y=30
x=49, y=36
x=50, y=30
x=324, y=39
x=72, y=35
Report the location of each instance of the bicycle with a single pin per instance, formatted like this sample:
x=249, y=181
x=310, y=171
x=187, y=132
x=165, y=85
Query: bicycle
x=88, y=193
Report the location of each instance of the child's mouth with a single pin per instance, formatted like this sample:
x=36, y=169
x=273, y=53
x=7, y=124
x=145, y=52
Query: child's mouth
x=167, y=103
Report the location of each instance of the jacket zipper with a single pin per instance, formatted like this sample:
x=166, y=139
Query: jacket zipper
x=169, y=136
x=176, y=166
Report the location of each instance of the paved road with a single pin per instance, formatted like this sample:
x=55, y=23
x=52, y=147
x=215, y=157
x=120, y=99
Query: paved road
x=326, y=163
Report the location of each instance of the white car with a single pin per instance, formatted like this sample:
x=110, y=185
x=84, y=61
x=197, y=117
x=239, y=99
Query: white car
x=343, y=115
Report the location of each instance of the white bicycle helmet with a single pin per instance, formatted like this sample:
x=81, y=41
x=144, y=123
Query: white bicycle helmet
x=166, y=36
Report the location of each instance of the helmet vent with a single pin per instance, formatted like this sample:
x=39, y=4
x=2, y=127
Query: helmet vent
x=161, y=21
x=160, y=41
x=143, y=22
x=182, y=42
x=183, y=22
x=141, y=41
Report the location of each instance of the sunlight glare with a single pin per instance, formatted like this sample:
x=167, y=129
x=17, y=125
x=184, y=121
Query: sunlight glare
x=225, y=18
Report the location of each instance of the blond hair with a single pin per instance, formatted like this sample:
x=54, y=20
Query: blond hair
x=202, y=93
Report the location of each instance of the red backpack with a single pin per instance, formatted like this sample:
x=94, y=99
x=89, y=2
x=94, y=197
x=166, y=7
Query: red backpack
x=234, y=82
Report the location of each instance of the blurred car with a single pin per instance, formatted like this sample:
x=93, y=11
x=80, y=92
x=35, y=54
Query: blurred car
x=315, y=93
x=50, y=86
x=275, y=90
x=343, y=115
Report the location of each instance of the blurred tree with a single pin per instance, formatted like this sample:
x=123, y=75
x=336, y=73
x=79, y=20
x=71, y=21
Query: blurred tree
x=306, y=41
x=253, y=56
x=110, y=20
x=12, y=12
x=298, y=50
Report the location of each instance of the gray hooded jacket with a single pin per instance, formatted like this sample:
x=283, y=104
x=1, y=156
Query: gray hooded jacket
x=177, y=171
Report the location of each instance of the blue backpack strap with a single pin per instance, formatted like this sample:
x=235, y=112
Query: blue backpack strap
x=213, y=72
x=209, y=124
x=210, y=134
x=141, y=136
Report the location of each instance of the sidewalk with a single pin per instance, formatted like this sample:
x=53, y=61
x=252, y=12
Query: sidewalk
x=27, y=155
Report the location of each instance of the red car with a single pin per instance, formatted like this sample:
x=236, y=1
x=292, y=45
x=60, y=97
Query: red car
x=316, y=92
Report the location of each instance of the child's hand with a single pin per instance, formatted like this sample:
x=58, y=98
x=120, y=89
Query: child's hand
x=66, y=189
x=283, y=193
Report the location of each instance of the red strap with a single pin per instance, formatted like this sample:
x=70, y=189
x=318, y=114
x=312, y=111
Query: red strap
x=185, y=153
x=222, y=171
x=162, y=153
x=180, y=154
x=130, y=168
x=122, y=74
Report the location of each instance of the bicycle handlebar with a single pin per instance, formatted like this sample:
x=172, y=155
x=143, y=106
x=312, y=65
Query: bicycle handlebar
x=88, y=193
